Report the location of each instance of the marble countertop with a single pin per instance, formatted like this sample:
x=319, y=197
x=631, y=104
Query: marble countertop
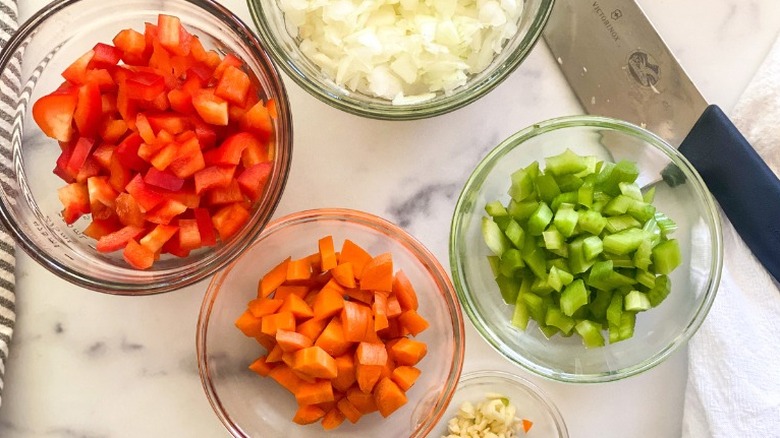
x=87, y=365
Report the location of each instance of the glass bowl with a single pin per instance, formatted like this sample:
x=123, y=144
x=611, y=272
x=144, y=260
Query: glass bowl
x=272, y=30
x=34, y=58
x=660, y=330
x=251, y=406
x=529, y=400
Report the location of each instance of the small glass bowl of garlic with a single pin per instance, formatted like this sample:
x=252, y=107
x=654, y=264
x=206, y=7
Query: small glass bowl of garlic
x=399, y=59
x=497, y=404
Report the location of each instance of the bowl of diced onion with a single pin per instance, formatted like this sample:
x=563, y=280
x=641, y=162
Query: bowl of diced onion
x=399, y=60
x=501, y=404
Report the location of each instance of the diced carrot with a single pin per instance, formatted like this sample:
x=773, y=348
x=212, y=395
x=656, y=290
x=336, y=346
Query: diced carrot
x=393, y=306
x=299, y=269
x=402, y=288
x=327, y=253
x=393, y=330
x=349, y=410
x=378, y=273
x=284, y=376
x=276, y=321
x=289, y=360
x=356, y=321
x=527, y=424
x=388, y=367
x=275, y=354
x=273, y=279
x=261, y=367
x=332, y=339
x=345, y=378
x=413, y=322
x=295, y=305
x=367, y=376
x=364, y=402
x=407, y=351
x=290, y=341
x=380, y=311
x=344, y=275
x=261, y=307
x=332, y=419
x=315, y=362
x=365, y=296
x=313, y=393
x=312, y=328
x=304, y=377
x=405, y=376
x=308, y=414
x=315, y=262
x=268, y=342
x=371, y=354
x=351, y=252
x=249, y=324
x=388, y=397
x=284, y=290
x=329, y=301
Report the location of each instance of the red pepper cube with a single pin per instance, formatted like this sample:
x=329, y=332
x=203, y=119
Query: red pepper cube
x=228, y=61
x=105, y=55
x=76, y=73
x=102, y=197
x=169, y=122
x=75, y=200
x=79, y=154
x=53, y=113
x=128, y=211
x=258, y=121
x=225, y=195
x=146, y=196
x=208, y=236
x=230, y=151
x=132, y=44
x=166, y=212
x=233, y=86
x=112, y=130
x=127, y=152
x=229, y=220
x=189, y=161
x=89, y=110
x=211, y=108
x=155, y=239
x=137, y=255
x=118, y=239
x=163, y=179
x=172, y=35
x=189, y=234
x=213, y=177
x=252, y=180
x=142, y=85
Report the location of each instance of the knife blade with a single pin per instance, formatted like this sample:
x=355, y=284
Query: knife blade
x=619, y=66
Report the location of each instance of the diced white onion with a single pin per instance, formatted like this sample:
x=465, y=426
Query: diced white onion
x=405, y=51
x=493, y=417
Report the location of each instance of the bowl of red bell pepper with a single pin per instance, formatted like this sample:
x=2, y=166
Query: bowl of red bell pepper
x=148, y=144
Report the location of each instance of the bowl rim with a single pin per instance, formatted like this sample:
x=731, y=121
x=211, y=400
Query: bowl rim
x=387, y=111
x=428, y=260
x=162, y=281
x=538, y=394
x=477, y=177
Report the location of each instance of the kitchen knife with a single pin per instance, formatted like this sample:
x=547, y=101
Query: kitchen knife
x=618, y=66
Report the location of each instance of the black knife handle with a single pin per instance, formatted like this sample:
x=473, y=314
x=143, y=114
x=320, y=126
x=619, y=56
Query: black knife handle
x=742, y=183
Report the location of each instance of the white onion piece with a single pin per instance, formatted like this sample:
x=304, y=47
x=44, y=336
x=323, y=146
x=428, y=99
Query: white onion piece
x=405, y=51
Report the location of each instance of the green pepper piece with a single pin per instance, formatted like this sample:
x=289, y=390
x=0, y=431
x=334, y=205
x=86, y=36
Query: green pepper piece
x=556, y=318
x=546, y=187
x=566, y=219
x=590, y=333
x=565, y=163
x=539, y=220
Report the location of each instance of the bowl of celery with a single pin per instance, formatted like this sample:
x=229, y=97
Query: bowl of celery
x=585, y=249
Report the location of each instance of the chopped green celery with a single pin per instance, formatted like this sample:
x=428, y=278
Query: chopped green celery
x=614, y=333
x=511, y=262
x=597, y=206
x=495, y=208
x=591, y=221
x=591, y=247
x=546, y=187
x=566, y=219
x=522, y=185
x=613, y=174
x=622, y=222
x=592, y=166
x=558, y=278
x=509, y=287
x=502, y=222
x=533, y=169
x=577, y=261
x=563, y=251
x=619, y=260
x=590, y=333
x=659, y=291
x=598, y=306
x=521, y=314
x=534, y=257
x=569, y=182
x=636, y=301
x=666, y=225
x=649, y=195
x=605, y=178
x=653, y=231
x=553, y=239
x=602, y=276
x=515, y=233
x=548, y=330
x=641, y=211
x=618, y=205
x=521, y=210
x=624, y=242
x=558, y=262
x=645, y=278
x=540, y=287
x=631, y=190
x=601, y=197
x=495, y=263
x=565, y=163
x=536, y=306
x=615, y=309
x=495, y=239
x=563, y=198
x=643, y=254
x=556, y=318
x=627, y=323
x=585, y=194
x=574, y=296
x=666, y=256
x=539, y=220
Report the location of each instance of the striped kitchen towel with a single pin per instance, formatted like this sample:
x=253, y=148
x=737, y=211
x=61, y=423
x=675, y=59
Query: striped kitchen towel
x=8, y=24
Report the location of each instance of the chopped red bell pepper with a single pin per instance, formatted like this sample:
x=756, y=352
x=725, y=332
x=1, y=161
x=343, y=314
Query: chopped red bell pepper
x=229, y=219
x=54, y=113
x=137, y=255
x=75, y=199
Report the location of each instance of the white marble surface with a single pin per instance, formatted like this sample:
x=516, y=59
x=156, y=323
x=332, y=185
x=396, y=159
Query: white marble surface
x=86, y=365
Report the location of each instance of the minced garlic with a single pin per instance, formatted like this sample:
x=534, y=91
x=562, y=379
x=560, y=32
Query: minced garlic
x=493, y=417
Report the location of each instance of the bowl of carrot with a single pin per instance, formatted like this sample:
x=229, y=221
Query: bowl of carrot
x=334, y=321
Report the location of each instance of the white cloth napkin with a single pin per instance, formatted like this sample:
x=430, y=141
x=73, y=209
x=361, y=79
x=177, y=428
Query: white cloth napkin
x=734, y=360
x=8, y=23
